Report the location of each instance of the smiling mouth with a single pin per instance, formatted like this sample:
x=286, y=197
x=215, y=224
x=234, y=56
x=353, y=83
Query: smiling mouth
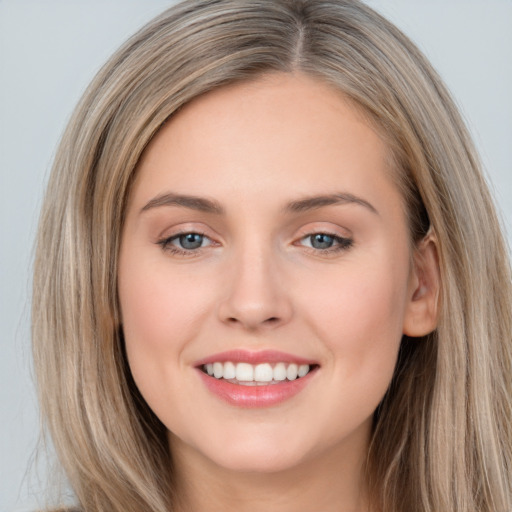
x=262, y=374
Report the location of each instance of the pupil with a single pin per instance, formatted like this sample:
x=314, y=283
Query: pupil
x=191, y=241
x=322, y=241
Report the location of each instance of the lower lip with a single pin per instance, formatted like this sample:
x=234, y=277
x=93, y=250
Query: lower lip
x=255, y=396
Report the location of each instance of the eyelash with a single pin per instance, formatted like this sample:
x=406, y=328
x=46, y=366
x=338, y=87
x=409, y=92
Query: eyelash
x=166, y=244
x=340, y=244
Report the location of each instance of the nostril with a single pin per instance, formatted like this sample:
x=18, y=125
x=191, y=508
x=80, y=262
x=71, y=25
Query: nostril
x=269, y=321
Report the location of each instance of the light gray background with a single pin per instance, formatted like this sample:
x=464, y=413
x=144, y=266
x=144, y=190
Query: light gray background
x=49, y=51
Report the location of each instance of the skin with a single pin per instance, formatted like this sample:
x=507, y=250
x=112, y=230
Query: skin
x=259, y=283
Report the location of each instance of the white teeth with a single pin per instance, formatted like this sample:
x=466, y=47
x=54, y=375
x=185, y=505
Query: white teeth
x=244, y=372
x=303, y=370
x=260, y=373
x=263, y=373
x=279, y=371
x=229, y=370
x=291, y=372
x=218, y=370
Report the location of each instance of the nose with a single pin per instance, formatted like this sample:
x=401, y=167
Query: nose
x=256, y=297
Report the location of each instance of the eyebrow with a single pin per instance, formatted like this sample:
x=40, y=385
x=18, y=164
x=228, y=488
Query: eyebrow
x=203, y=204
x=314, y=202
x=192, y=202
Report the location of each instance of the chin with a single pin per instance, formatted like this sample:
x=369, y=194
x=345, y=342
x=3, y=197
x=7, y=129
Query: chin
x=254, y=453
x=262, y=462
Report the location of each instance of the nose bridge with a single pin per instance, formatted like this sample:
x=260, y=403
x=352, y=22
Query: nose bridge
x=255, y=296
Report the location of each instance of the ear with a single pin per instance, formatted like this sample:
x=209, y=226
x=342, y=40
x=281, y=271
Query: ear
x=421, y=312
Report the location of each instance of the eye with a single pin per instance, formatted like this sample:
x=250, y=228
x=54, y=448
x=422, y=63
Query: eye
x=185, y=243
x=326, y=242
x=321, y=241
x=189, y=241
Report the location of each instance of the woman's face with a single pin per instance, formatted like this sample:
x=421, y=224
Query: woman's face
x=265, y=239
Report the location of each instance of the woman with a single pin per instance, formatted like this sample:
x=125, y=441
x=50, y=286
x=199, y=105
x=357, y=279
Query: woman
x=320, y=338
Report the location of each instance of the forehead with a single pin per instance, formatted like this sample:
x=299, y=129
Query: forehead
x=281, y=132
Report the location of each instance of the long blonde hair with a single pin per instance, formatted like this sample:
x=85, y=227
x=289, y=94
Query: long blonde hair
x=442, y=437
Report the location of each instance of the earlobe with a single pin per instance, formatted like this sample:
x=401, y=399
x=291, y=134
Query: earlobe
x=421, y=313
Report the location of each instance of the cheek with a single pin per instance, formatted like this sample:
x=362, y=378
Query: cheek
x=369, y=302
x=160, y=315
x=359, y=317
x=361, y=327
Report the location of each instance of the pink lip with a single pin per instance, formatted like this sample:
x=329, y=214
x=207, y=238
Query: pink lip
x=255, y=396
x=246, y=356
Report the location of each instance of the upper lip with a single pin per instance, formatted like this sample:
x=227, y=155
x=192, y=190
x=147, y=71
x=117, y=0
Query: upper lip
x=254, y=357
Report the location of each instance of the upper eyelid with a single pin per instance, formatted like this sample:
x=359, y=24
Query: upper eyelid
x=337, y=231
x=305, y=234
x=328, y=233
x=174, y=236
x=187, y=232
x=184, y=229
